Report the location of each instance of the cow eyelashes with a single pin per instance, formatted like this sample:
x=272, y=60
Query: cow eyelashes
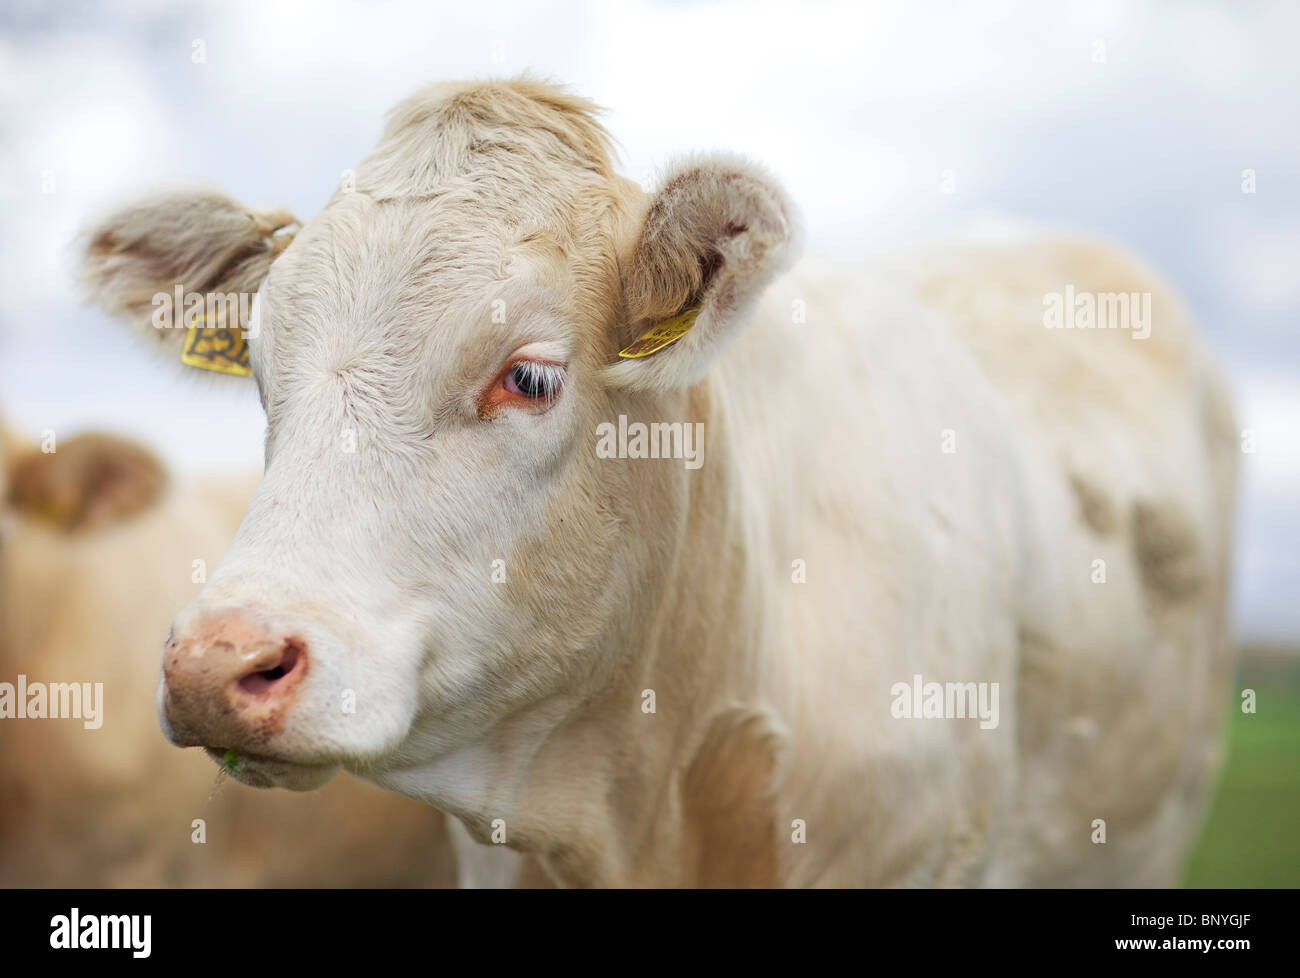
x=530, y=381
x=535, y=381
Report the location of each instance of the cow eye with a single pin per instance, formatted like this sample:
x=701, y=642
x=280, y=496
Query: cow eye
x=533, y=380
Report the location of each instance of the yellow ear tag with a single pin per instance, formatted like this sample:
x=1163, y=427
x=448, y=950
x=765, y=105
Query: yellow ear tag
x=212, y=348
x=661, y=334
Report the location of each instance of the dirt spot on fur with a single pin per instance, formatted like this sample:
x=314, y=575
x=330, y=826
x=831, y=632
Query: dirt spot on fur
x=1167, y=551
x=1095, y=507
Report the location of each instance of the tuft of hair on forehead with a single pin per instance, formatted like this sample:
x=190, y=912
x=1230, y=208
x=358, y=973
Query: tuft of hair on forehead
x=519, y=130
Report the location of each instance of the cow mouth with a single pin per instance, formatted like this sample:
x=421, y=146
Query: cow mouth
x=258, y=771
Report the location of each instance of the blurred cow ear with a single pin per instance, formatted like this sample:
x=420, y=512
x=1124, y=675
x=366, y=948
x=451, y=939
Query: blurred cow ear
x=187, y=242
x=89, y=482
x=716, y=233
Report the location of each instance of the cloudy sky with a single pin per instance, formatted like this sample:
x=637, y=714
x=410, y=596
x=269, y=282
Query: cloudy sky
x=1131, y=120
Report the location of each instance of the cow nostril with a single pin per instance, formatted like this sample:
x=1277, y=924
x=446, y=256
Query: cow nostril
x=260, y=682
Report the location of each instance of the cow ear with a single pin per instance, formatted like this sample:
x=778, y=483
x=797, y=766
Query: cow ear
x=89, y=482
x=196, y=240
x=715, y=234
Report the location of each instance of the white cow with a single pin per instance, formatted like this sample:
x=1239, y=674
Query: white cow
x=935, y=596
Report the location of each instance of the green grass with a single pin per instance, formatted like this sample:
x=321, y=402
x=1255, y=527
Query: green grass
x=1252, y=835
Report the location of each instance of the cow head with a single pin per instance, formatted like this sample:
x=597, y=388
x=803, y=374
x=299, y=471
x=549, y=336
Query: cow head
x=435, y=548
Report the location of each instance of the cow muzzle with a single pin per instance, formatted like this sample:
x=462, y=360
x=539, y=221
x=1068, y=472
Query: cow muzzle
x=230, y=682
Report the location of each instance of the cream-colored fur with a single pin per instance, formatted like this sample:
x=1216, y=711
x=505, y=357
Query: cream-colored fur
x=905, y=473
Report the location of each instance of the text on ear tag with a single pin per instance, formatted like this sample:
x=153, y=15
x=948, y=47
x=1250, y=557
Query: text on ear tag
x=661, y=334
x=221, y=349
